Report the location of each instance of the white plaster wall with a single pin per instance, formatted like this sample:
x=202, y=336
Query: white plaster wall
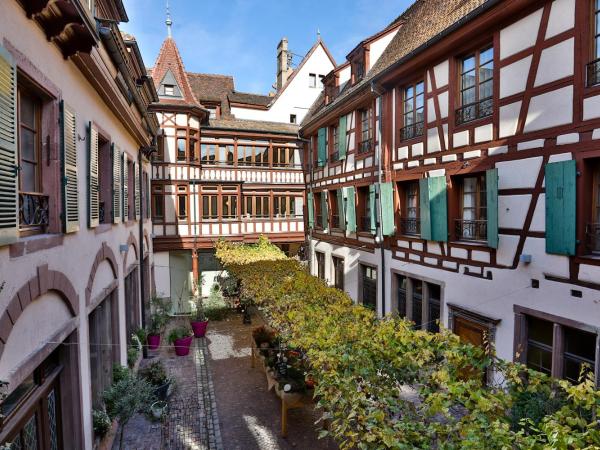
x=562, y=17
x=344, y=75
x=548, y=70
x=509, y=119
x=75, y=256
x=297, y=97
x=513, y=77
x=512, y=210
x=441, y=74
x=550, y=109
x=520, y=35
x=517, y=174
x=377, y=47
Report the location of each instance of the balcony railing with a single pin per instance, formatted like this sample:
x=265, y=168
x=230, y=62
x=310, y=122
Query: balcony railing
x=318, y=221
x=593, y=73
x=33, y=211
x=411, y=131
x=474, y=111
x=335, y=221
x=365, y=146
x=365, y=224
x=411, y=226
x=471, y=230
x=335, y=156
x=592, y=233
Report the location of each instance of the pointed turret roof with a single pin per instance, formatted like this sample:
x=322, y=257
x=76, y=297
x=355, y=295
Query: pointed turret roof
x=169, y=70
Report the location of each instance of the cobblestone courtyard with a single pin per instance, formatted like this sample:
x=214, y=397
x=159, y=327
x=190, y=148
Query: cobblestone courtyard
x=220, y=402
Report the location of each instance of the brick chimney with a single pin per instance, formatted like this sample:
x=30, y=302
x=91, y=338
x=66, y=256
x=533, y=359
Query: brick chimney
x=283, y=63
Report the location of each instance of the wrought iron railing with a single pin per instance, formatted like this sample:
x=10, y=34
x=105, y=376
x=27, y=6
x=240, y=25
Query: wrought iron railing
x=410, y=226
x=411, y=131
x=365, y=224
x=33, y=210
x=592, y=233
x=318, y=221
x=593, y=73
x=471, y=230
x=335, y=221
x=365, y=146
x=335, y=156
x=473, y=111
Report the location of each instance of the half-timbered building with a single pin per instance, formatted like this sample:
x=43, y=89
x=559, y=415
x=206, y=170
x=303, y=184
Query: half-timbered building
x=454, y=178
x=74, y=213
x=229, y=166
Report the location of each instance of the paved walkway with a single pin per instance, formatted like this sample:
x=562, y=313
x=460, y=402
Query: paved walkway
x=249, y=414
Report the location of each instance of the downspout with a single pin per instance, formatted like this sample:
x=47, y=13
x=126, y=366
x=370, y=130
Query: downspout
x=141, y=241
x=379, y=92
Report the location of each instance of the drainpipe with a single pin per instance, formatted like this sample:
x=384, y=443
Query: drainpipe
x=141, y=241
x=378, y=90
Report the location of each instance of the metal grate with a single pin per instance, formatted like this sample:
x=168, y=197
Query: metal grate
x=411, y=131
x=471, y=230
x=411, y=226
x=52, y=420
x=33, y=210
x=593, y=73
x=474, y=111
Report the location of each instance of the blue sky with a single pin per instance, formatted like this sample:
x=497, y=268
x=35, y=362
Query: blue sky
x=240, y=37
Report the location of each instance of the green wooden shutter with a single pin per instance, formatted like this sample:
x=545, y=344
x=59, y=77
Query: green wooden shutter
x=491, y=190
x=9, y=182
x=148, y=195
x=560, y=207
x=311, y=210
x=93, y=181
x=387, y=209
x=116, y=176
x=350, y=209
x=342, y=137
x=424, y=212
x=322, y=147
x=125, y=187
x=70, y=191
x=372, y=209
x=137, y=199
x=340, y=205
x=438, y=208
x=324, y=210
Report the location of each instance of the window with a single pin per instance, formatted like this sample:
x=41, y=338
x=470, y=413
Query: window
x=104, y=345
x=473, y=207
x=593, y=68
x=283, y=157
x=181, y=145
x=158, y=204
x=338, y=272
x=364, y=209
x=555, y=348
x=419, y=301
x=284, y=206
x=365, y=145
x=320, y=83
x=333, y=201
x=320, y=257
x=169, y=89
x=208, y=154
x=312, y=80
x=182, y=205
x=229, y=206
x=593, y=228
x=369, y=286
x=476, y=86
x=335, y=146
x=409, y=222
x=132, y=303
x=212, y=110
x=293, y=118
x=253, y=156
x=256, y=206
x=413, y=107
x=105, y=178
x=209, y=207
x=318, y=210
x=131, y=189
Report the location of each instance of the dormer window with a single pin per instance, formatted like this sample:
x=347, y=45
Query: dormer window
x=169, y=90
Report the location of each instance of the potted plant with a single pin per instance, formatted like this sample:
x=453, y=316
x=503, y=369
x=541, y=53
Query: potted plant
x=181, y=338
x=158, y=320
x=155, y=374
x=199, y=321
x=158, y=409
x=101, y=423
x=127, y=397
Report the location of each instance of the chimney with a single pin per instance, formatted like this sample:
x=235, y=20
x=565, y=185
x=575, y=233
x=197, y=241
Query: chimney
x=283, y=63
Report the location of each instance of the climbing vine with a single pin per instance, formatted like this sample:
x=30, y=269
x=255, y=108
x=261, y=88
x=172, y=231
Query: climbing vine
x=383, y=384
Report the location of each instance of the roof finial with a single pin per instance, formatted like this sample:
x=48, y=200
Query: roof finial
x=318, y=34
x=168, y=22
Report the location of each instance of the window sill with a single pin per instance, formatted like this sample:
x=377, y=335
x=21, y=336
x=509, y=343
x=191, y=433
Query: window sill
x=470, y=243
x=35, y=243
x=466, y=125
x=103, y=228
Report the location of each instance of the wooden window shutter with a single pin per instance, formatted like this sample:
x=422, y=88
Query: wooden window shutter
x=70, y=191
x=372, y=209
x=560, y=207
x=137, y=191
x=342, y=137
x=148, y=195
x=93, y=180
x=340, y=204
x=324, y=210
x=387, y=209
x=424, y=209
x=125, y=187
x=350, y=209
x=322, y=147
x=491, y=190
x=438, y=212
x=311, y=210
x=9, y=183
x=116, y=177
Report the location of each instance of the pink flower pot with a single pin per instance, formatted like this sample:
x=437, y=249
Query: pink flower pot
x=199, y=328
x=153, y=341
x=182, y=346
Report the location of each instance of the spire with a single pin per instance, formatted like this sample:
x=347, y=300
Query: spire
x=318, y=34
x=168, y=22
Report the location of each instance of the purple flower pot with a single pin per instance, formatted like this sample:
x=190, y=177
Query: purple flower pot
x=182, y=346
x=153, y=341
x=199, y=328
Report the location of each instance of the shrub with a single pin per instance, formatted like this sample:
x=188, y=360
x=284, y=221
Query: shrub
x=154, y=373
x=101, y=422
x=132, y=356
x=120, y=372
x=179, y=333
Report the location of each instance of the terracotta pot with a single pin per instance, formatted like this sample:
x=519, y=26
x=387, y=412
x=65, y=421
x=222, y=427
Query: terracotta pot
x=182, y=346
x=153, y=341
x=199, y=328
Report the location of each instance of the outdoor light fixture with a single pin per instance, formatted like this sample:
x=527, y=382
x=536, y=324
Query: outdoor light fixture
x=525, y=259
x=123, y=248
